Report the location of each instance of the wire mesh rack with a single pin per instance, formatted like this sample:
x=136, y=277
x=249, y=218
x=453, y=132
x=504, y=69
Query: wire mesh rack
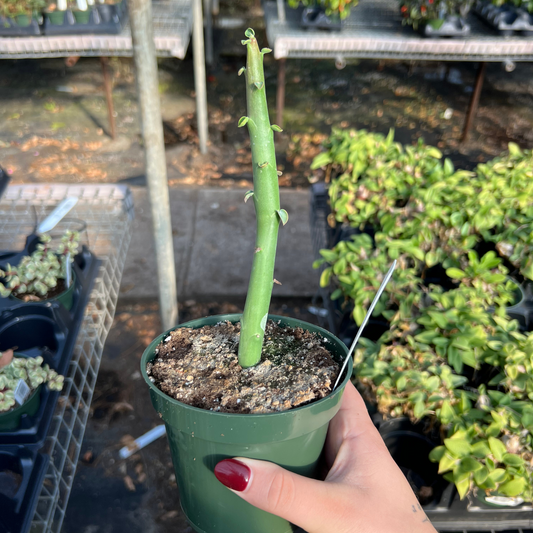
x=374, y=30
x=108, y=212
x=172, y=21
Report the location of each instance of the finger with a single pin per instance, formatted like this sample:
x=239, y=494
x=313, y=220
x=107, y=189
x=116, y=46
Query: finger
x=351, y=420
x=6, y=357
x=308, y=503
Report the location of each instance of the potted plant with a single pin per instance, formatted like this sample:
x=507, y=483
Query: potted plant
x=55, y=12
x=437, y=18
x=20, y=17
x=45, y=274
x=21, y=378
x=324, y=14
x=249, y=413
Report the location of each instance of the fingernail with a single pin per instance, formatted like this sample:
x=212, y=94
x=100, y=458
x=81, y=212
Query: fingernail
x=233, y=474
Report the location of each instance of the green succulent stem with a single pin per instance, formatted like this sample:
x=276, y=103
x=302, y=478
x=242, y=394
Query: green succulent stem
x=267, y=206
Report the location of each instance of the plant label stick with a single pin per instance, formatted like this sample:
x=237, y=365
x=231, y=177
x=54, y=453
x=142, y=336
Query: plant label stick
x=22, y=391
x=55, y=217
x=368, y=315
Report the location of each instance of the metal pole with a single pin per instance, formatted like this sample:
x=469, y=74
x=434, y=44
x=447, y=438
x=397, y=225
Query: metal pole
x=199, y=74
x=474, y=101
x=208, y=32
x=140, y=12
x=109, y=97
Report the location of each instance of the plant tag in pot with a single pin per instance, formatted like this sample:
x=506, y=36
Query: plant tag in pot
x=22, y=391
x=504, y=501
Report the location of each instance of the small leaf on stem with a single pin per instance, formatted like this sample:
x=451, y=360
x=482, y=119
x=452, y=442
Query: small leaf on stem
x=243, y=121
x=275, y=127
x=248, y=195
x=241, y=70
x=283, y=216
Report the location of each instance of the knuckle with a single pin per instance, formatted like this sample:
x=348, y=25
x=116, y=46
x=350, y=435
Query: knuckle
x=281, y=492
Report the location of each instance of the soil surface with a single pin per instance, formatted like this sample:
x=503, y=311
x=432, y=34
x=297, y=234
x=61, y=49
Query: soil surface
x=200, y=367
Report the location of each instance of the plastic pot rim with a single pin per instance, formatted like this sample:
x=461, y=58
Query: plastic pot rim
x=149, y=355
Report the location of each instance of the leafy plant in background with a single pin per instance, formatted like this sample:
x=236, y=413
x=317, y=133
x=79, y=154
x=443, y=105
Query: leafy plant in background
x=37, y=274
x=15, y=8
x=451, y=355
x=332, y=8
x=32, y=371
x=432, y=12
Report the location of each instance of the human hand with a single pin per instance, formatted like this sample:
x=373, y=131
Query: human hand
x=364, y=490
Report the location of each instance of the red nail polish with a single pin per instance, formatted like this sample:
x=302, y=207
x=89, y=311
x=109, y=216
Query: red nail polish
x=233, y=474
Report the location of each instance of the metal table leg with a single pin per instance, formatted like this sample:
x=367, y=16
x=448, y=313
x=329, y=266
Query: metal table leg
x=280, y=96
x=474, y=101
x=108, y=96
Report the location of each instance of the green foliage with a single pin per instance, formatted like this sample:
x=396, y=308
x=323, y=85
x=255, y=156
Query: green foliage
x=14, y=8
x=433, y=12
x=37, y=274
x=339, y=8
x=452, y=355
x=32, y=371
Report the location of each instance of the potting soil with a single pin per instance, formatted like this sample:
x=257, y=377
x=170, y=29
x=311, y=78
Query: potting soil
x=200, y=367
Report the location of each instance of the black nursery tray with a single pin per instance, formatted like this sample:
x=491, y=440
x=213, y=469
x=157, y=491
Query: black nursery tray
x=409, y=445
x=108, y=19
x=22, y=474
x=451, y=27
x=9, y=28
x=45, y=329
x=507, y=19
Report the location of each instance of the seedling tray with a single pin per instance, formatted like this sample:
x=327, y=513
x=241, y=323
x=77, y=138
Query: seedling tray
x=9, y=28
x=507, y=19
x=22, y=474
x=108, y=19
x=451, y=27
x=45, y=329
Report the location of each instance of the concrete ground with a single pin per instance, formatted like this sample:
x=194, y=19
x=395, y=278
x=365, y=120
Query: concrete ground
x=53, y=128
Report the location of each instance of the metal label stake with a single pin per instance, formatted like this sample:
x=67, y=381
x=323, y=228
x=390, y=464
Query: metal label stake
x=368, y=314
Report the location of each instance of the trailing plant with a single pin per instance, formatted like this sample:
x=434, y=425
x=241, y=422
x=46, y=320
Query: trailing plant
x=332, y=8
x=38, y=273
x=32, y=371
x=266, y=201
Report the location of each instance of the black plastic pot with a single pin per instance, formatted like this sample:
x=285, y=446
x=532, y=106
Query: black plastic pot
x=97, y=20
x=199, y=439
x=11, y=27
x=48, y=330
x=315, y=18
x=21, y=477
x=410, y=445
x=451, y=26
x=506, y=19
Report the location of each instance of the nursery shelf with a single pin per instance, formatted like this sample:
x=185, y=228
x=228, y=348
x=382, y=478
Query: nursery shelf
x=108, y=213
x=172, y=30
x=374, y=30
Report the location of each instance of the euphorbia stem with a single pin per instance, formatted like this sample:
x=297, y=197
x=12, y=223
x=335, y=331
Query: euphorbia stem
x=267, y=207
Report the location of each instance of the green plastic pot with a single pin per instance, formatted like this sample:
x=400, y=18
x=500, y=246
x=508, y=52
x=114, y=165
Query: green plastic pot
x=82, y=17
x=199, y=439
x=56, y=17
x=66, y=298
x=23, y=20
x=10, y=420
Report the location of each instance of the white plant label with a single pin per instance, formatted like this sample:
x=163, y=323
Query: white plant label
x=53, y=219
x=22, y=391
x=82, y=5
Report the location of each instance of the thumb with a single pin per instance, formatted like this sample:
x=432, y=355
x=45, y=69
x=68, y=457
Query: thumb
x=308, y=503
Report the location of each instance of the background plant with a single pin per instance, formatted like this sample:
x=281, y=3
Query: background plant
x=38, y=274
x=14, y=8
x=340, y=8
x=32, y=371
x=451, y=356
